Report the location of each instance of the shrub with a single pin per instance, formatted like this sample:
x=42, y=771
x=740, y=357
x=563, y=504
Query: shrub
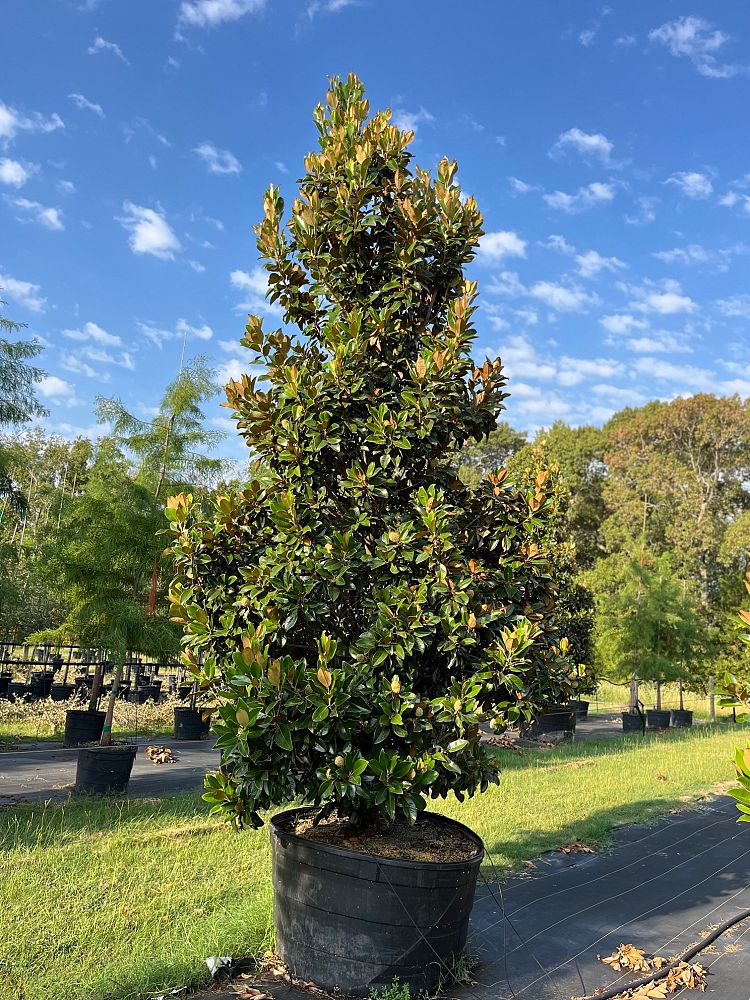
x=359, y=611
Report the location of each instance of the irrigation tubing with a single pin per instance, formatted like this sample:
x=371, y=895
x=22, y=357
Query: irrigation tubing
x=617, y=991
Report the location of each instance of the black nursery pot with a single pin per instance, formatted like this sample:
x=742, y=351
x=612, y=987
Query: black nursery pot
x=355, y=921
x=104, y=770
x=189, y=724
x=581, y=708
x=149, y=692
x=657, y=719
x=632, y=722
x=61, y=692
x=183, y=691
x=5, y=680
x=555, y=719
x=18, y=691
x=82, y=726
x=41, y=683
x=680, y=718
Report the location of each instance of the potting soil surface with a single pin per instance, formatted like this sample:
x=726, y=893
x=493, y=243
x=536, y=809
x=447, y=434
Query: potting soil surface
x=660, y=887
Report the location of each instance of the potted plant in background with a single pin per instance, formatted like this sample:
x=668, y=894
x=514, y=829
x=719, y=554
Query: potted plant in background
x=104, y=565
x=358, y=612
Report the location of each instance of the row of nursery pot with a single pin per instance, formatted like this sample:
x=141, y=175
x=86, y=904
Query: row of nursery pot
x=657, y=719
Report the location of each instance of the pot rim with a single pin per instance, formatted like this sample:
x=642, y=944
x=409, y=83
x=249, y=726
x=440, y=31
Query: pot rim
x=119, y=746
x=282, y=835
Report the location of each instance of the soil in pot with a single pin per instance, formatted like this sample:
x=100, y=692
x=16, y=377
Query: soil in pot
x=406, y=911
x=681, y=718
x=657, y=718
x=189, y=724
x=632, y=722
x=82, y=726
x=104, y=770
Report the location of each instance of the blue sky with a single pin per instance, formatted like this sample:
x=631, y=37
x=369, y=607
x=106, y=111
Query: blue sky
x=606, y=145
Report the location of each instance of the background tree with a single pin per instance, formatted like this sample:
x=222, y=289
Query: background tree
x=360, y=610
x=648, y=627
x=167, y=451
x=490, y=454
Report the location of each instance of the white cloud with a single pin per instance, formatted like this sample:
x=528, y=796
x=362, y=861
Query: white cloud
x=666, y=299
x=210, y=13
x=197, y=266
x=591, y=263
x=561, y=298
x=218, y=161
x=617, y=396
x=50, y=218
x=622, y=323
x=585, y=197
x=158, y=335
x=494, y=247
x=698, y=41
x=696, y=255
x=102, y=45
x=737, y=306
x=586, y=144
x=254, y=284
x=666, y=371
x=122, y=360
x=645, y=213
x=84, y=104
x=693, y=184
x=13, y=121
x=559, y=243
x=55, y=389
x=327, y=6
x=149, y=232
x=574, y=370
x=14, y=173
x=66, y=187
x=25, y=293
x=507, y=283
x=72, y=363
x=586, y=37
x=662, y=342
x=409, y=121
x=94, y=333
x=521, y=187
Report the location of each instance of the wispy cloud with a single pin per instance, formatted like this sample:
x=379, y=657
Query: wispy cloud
x=211, y=13
x=327, y=6
x=695, y=39
x=16, y=174
x=409, y=121
x=218, y=161
x=589, y=145
x=34, y=211
x=84, y=104
x=93, y=333
x=102, y=45
x=665, y=298
x=692, y=184
x=182, y=329
x=56, y=390
x=597, y=193
x=254, y=285
x=25, y=293
x=13, y=121
x=150, y=233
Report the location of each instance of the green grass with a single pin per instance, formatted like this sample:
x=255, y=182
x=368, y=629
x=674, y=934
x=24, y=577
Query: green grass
x=33, y=732
x=107, y=901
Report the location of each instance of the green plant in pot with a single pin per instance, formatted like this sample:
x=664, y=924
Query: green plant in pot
x=103, y=563
x=357, y=611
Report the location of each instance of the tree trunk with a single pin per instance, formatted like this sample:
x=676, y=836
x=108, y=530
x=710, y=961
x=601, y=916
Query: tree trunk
x=658, y=696
x=682, y=703
x=633, y=703
x=96, y=690
x=106, y=738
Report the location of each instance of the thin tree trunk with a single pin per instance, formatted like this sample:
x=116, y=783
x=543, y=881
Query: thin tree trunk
x=658, y=696
x=106, y=738
x=633, y=706
x=682, y=703
x=97, y=688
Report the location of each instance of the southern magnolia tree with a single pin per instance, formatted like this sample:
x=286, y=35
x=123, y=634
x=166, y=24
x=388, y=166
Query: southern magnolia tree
x=356, y=610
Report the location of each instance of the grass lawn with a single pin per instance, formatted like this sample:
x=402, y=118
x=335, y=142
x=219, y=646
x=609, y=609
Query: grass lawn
x=115, y=900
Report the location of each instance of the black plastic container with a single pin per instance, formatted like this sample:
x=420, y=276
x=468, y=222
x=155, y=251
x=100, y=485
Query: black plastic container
x=556, y=719
x=82, y=726
x=581, y=708
x=189, y=724
x=18, y=691
x=632, y=722
x=41, y=684
x=680, y=718
x=148, y=692
x=61, y=692
x=354, y=921
x=5, y=680
x=104, y=770
x=184, y=691
x=657, y=718
x=82, y=683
